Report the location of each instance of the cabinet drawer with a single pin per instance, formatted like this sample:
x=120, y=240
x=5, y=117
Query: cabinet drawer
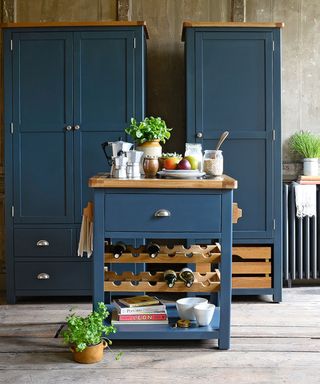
x=44, y=242
x=186, y=212
x=66, y=275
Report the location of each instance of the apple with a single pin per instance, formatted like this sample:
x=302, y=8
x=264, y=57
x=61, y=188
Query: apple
x=184, y=164
x=193, y=161
x=171, y=162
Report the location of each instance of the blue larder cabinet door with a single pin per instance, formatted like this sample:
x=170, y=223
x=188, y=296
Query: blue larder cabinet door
x=232, y=91
x=105, y=78
x=42, y=109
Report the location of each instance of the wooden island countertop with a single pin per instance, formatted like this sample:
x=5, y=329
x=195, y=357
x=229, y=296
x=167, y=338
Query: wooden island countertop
x=104, y=181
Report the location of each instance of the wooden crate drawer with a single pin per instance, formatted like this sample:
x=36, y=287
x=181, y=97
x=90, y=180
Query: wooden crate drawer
x=65, y=275
x=251, y=267
x=185, y=212
x=39, y=242
x=247, y=282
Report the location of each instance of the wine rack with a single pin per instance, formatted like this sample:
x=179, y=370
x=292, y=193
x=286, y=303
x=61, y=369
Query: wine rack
x=147, y=282
x=177, y=254
x=155, y=282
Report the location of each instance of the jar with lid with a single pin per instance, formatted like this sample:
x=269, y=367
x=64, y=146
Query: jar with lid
x=213, y=162
x=194, y=150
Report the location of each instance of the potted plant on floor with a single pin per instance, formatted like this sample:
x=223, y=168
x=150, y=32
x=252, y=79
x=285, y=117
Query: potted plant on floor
x=87, y=335
x=307, y=145
x=148, y=135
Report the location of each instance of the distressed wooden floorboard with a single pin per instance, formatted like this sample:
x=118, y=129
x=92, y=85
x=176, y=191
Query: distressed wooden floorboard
x=271, y=344
x=141, y=375
x=239, y=344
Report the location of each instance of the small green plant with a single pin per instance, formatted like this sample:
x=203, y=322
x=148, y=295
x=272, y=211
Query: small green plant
x=82, y=332
x=151, y=128
x=305, y=144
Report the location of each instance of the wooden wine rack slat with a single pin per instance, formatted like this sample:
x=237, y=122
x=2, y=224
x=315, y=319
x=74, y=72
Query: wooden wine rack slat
x=177, y=254
x=147, y=282
x=157, y=276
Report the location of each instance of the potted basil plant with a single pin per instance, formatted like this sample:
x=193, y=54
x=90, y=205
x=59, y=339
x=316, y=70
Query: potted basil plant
x=87, y=335
x=307, y=145
x=148, y=135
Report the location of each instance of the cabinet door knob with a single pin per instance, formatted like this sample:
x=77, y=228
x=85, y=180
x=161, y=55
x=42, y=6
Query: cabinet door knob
x=77, y=127
x=162, y=213
x=43, y=276
x=199, y=135
x=68, y=128
x=42, y=243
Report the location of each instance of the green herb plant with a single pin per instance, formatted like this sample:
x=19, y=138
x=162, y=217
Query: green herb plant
x=82, y=332
x=305, y=144
x=151, y=128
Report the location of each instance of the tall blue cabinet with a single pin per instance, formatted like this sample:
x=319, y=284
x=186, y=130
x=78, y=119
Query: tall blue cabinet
x=233, y=84
x=68, y=88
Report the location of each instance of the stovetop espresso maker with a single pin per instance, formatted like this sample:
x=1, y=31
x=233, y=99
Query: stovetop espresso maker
x=118, y=161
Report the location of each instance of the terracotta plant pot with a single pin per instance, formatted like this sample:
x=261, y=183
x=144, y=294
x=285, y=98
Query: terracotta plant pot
x=92, y=354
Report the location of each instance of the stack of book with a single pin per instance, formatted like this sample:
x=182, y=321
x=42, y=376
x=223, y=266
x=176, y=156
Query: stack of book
x=309, y=180
x=139, y=310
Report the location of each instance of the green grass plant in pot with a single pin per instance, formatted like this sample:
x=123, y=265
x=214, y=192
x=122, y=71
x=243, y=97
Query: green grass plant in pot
x=87, y=335
x=148, y=134
x=307, y=145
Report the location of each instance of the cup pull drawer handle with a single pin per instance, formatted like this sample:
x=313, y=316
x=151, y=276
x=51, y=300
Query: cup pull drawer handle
x=42, y=243
x=43, y=276
x=162, y=213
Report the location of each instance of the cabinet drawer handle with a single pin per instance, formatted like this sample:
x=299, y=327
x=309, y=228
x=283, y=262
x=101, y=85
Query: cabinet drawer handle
x=43, y=276
x=42, y=243
x=162, y=213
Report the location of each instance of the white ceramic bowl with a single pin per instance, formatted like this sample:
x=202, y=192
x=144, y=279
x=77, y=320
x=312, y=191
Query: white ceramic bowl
x=185, y=307
x=204, y=313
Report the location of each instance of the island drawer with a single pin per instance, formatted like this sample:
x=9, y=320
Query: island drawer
x=162, y=212
x=38, y=242
x=66, y=275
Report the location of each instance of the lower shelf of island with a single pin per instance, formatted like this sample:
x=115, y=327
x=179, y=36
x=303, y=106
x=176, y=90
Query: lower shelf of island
x=167, y=331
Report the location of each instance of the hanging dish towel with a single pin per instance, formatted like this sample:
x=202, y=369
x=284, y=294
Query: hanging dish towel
x=306, y=199
x=86, y=232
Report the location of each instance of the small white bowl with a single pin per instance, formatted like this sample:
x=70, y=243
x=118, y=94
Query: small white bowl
x=185, y=307
x=204, y=313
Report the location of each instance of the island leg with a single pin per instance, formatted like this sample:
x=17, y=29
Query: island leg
x=98, y=249
x=225, y=270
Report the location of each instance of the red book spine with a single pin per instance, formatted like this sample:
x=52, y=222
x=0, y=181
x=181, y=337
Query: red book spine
x=143, y=317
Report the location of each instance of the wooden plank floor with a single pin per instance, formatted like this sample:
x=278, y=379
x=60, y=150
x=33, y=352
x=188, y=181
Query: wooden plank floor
x=271, y=343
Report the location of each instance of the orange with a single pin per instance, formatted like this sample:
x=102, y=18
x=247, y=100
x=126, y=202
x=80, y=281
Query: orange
x=171, y=162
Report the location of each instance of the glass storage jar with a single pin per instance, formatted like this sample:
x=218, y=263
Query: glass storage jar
x=213, y=162
x=195, y=150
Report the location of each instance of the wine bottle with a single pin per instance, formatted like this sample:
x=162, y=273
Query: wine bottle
x=153, y=250
x=187, y=276
x=170, y=277
x=118, y=250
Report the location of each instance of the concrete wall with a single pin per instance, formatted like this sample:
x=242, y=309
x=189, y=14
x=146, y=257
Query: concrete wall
x=300, y=65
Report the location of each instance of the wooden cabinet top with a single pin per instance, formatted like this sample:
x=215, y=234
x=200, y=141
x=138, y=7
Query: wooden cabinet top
x=231, y=24
x=78, y=24
x=223, y=182
x=237, y=24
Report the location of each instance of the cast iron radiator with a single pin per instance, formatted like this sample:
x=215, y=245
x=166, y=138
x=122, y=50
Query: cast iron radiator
x=301, y=243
